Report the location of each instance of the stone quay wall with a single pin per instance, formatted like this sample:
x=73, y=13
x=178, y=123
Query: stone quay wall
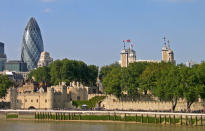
x=112, y=103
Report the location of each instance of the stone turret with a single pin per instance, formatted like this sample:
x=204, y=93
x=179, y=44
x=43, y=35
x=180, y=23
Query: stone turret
x=124, y=58
x=50, y=97
x=64, y=89
x=127, y=55
x=167, y=52
x=13, y=98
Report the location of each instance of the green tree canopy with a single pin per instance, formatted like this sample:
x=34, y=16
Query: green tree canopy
x=107, y=69
x=165, y=81
x=5, y=83
x=66, y=71
x=131, y=77
x=191, y=85
x=112, y=82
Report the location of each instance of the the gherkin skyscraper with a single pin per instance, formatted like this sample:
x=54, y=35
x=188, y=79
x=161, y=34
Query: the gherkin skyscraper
x=32, y=44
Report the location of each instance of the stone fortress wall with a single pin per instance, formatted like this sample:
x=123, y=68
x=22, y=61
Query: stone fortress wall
x=56, y=97
x=61, y=96
x=77, y=91
x=112, y=103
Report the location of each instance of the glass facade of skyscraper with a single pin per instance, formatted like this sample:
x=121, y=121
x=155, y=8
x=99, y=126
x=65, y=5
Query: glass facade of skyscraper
x=2, y=56
x=32, y=44
x=15, y=65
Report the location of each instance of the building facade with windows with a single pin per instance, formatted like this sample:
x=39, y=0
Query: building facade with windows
x=32, y=44
x=55, y=97
x=3, y=57
x=45, y=59
x=16, y=66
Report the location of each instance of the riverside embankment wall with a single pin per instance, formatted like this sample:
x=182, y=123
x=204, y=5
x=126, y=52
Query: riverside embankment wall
x=112, y=103
x=188, y=119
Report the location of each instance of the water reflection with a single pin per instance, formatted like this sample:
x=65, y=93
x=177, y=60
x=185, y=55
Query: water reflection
x=86, y=126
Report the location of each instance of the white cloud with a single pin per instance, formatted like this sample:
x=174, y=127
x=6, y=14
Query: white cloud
x=47, y=10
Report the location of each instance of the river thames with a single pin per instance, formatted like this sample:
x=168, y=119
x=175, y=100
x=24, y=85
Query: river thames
x=11, y=125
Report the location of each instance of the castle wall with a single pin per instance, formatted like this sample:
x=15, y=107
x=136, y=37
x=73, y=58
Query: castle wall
x=112, y=103
x=90, y=96
x=78, y=93
x=32, y=100
x=52, y=99
x=59, y=101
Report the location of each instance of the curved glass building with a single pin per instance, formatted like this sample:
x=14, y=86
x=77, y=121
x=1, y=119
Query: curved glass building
x=32, y=44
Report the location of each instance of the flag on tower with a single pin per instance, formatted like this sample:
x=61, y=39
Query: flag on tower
x=128, y=41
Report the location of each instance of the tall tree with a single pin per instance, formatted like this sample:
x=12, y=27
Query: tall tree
x=200, y=70
x=5, y=83
x=111, y=82
x=148, y=78
x=107, y=69
x=191, y=85
x=168, y=86
x=130, y=78
x=42, y=75
x=55, y=72
x=93, y=74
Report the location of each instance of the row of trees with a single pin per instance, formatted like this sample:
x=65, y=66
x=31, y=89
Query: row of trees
x=65, y=71
x=165, y=81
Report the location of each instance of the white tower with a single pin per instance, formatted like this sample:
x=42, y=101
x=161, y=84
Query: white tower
x=167, y=52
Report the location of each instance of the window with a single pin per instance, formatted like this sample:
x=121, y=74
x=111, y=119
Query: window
x=45, y=100
x=94, y=91
x=25, y=100
x=37, y=100
x=31, y=100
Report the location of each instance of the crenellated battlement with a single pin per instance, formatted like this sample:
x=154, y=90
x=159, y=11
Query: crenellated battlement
x=54, y=97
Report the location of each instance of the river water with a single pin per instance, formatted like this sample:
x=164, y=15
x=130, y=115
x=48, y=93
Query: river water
x=87, y=126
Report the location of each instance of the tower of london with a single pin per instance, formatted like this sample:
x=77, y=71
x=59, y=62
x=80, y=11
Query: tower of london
x=128, y=55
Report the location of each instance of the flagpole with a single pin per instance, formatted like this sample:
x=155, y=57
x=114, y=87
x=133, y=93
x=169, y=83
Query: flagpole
x=124, y=43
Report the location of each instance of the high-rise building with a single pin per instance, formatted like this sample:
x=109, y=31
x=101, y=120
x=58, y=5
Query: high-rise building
x=16, y=66
x=32, y=44
x=45, y=59
x=167, y=53
x=2, y=56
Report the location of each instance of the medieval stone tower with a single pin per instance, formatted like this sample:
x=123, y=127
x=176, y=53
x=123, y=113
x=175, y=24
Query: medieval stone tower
x=127, y=55
x=50, y=97
x=124, y=58
x=13, y=98
x=167, y=52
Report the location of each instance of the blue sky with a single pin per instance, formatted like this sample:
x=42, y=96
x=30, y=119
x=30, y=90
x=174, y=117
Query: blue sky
x=93, y=30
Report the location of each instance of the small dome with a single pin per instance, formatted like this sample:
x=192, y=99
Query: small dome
x=165, y=47
x=170, y=51
x=124, y=51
